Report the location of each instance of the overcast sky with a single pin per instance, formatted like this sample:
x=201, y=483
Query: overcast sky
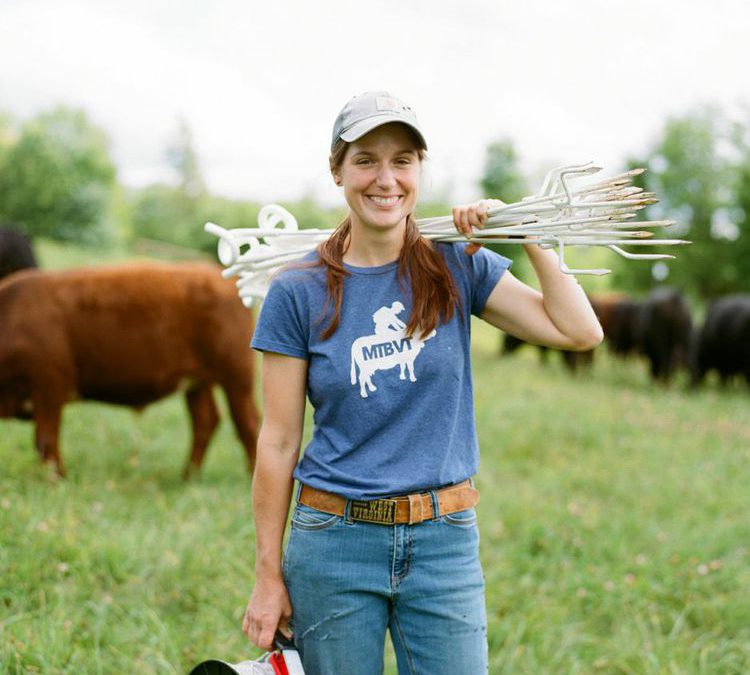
x=260, y=83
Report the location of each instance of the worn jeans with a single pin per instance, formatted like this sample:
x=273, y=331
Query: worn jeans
x=349, y=581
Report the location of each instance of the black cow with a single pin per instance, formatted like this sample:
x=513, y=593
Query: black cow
x=622, y=327
x=658, y=328
x=723, y=344
x=664, y=332
x=15, y=251
x=571, y=359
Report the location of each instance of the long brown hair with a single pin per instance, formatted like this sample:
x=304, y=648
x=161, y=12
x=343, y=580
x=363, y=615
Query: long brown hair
x=435, y=296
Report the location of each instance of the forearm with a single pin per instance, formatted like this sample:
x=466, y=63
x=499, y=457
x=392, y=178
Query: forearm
x=272, y=491
x=564, y=300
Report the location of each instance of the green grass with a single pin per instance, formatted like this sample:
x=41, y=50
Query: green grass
x=613, y=519
x=614, y=524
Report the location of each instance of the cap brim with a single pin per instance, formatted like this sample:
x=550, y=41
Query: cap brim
x=366, y=126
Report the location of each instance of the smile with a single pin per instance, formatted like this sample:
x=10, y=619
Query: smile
x=384, y=201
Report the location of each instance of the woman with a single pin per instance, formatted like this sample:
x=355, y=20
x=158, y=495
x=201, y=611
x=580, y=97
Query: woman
x=383, y=533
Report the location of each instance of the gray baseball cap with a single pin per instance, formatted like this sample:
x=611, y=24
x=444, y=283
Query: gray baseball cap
x=372, y=109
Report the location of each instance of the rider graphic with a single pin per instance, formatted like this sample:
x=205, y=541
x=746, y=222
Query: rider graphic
x=387, y=348
x=387, y=321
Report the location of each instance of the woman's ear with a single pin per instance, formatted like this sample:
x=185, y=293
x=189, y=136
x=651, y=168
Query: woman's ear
x=337, y=178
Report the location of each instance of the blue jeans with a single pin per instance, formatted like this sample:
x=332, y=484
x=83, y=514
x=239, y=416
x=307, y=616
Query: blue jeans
x=349, y=581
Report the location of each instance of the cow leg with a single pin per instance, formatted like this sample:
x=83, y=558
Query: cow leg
x=570, y=359
x=245, y=418
x=205, y=418
x=47, y=415
x=365, y=382
x=657, y=370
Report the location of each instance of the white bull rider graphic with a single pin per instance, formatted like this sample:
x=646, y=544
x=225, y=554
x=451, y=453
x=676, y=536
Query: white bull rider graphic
x=382, y=351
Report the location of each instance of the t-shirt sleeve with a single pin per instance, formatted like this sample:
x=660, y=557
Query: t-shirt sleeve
x=280, y=326
x=485, y=270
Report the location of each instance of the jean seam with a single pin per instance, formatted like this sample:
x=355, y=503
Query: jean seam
x=394, y=547
x=409, y=658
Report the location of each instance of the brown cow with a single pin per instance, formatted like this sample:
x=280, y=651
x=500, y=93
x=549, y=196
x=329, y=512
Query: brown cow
x=128, y=334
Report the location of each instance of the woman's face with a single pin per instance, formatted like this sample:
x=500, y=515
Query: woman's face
x=380, y=175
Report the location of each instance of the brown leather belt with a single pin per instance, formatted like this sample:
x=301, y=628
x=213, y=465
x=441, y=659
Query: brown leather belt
x=408, y=509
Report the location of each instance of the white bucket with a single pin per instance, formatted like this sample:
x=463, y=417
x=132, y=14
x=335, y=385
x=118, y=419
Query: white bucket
x=268, y=664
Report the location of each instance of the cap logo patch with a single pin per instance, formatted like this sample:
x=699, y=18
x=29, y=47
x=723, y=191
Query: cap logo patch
x=387, y=103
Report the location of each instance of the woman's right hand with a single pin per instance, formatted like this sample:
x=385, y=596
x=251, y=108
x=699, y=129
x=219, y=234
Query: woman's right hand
x=268, y=610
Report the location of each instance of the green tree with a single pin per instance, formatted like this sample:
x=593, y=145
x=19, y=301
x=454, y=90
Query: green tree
x=501, y=177
x=183, y=159
x=56, y=178
x=695, y=182
x=7, y=134
x=739, y=216
x=173, y=213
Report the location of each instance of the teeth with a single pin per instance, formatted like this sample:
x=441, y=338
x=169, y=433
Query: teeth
x=385, y=201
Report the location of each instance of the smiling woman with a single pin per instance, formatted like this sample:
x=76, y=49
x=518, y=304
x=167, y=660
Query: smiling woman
x=383, y=535
x=380, y=174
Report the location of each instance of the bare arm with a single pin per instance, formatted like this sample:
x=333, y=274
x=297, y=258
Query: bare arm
x=284, y=383
x=560, y=316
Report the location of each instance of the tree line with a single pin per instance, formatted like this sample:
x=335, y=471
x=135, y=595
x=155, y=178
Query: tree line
x=58, y=180
x=699, y=167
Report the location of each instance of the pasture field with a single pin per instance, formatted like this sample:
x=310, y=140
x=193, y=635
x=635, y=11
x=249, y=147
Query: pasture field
x=614, y=523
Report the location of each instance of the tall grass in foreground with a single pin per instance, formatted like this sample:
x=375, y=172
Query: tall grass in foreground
x=614, y=523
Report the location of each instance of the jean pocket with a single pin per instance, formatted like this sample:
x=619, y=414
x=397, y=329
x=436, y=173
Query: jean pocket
x=466, y=518
x=308, y=518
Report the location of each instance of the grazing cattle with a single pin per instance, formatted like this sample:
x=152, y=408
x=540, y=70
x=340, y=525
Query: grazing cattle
x=723, y=344
x=664, y=332
x=572, y=360
x=658, y=328
x=15, y=251
x=602, y=306
x=620, y=321
x=130, y=335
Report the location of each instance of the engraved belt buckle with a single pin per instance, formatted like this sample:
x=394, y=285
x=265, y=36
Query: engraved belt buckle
x=381, y=511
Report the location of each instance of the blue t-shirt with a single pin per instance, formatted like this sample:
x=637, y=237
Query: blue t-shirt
x=393, y=414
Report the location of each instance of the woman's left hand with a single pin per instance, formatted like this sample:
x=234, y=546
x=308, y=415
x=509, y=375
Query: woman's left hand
x=468, y=216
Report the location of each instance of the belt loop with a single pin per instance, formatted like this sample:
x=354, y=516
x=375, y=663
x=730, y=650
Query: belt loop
x=416, y=514
x=347, y=512
x=435, y=505
x=299, y=491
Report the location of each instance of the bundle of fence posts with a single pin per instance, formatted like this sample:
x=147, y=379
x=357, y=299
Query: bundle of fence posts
x=560, y=215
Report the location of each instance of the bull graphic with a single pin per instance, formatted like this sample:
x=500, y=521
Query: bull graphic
x=385, y=350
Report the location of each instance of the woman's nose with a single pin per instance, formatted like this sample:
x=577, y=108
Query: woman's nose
x=386, y=177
